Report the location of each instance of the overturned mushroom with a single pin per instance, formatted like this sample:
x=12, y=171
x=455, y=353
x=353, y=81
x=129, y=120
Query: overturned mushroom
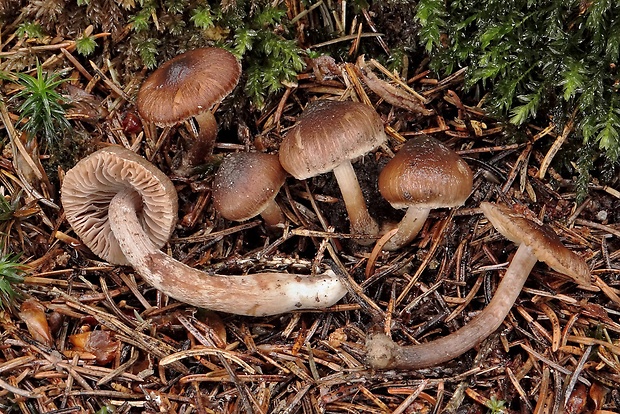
x=535, y=243
x=186, y=86
x=124, y=209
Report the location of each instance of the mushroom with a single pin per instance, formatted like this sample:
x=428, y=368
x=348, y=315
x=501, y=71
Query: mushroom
x=423, y=175
x=246, y=185
x=535, y=243
x=124, y=209
x=186, y=86
x=327, y=137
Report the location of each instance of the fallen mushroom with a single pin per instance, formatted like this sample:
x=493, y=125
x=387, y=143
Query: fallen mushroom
x=423, y=175
x=186, y=86
x=124, y=209
x=246, y=185
x=535, y=243
x=327, y=137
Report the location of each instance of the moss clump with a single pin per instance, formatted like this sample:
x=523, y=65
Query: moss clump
x=548, y=57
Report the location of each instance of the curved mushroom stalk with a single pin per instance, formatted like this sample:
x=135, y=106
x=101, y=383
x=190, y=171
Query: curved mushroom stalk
x=257, y=294
x=124, y=209
x=383, y=353
x=535, y=243
x=408, y=228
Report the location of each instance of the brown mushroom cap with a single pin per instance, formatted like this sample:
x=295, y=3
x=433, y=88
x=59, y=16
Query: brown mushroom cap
x=88, y=188
x=245, y=183
x=327, y=134
x=545, y=244
x=187, y=85
x=427, y=174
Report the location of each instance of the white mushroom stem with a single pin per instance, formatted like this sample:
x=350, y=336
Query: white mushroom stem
x=383, y=353
x=408, y=228
x=361, y=221
x=272, y=214
x=253, y=294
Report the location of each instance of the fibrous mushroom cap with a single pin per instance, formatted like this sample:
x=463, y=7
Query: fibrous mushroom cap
x=245, y=183
x=88, y=188
x=427, y=174
x=543, y=242
x=187, y=85
x=328, y=133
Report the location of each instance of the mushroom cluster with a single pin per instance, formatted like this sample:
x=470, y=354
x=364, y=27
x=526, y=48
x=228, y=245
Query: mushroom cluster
x=124, y=209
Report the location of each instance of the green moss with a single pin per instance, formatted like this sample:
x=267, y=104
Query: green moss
x=538, y=59
x=29, y=29
x=11, y=272
x=41, y=106
x=85, y=45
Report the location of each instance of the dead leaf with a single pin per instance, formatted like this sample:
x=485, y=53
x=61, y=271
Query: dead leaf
x=32, y=312
x=99, y=343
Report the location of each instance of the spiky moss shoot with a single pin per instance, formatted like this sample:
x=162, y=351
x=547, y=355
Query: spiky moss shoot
x=11, y=272
x=41, y=106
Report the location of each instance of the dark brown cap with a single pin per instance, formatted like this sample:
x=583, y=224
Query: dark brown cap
x=427, y=174
x=245, y=183
x=187, y=85
x=328, y=133
x=88, y=188
x=543, y=242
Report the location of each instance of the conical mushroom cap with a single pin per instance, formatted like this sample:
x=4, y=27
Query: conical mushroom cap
x=188, y=85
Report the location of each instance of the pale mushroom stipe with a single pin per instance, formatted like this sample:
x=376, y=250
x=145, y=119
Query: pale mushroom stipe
x=535, y=243
x=186, y=86
x=327, y=137
x=124, y=209
x=423, y=175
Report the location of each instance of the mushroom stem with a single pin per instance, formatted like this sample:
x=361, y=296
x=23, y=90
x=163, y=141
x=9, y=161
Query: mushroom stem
x=384, y=353
x=408, y=228
x=253, y=294
x=272, y=214
x=200, y=149
x=361, y=221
